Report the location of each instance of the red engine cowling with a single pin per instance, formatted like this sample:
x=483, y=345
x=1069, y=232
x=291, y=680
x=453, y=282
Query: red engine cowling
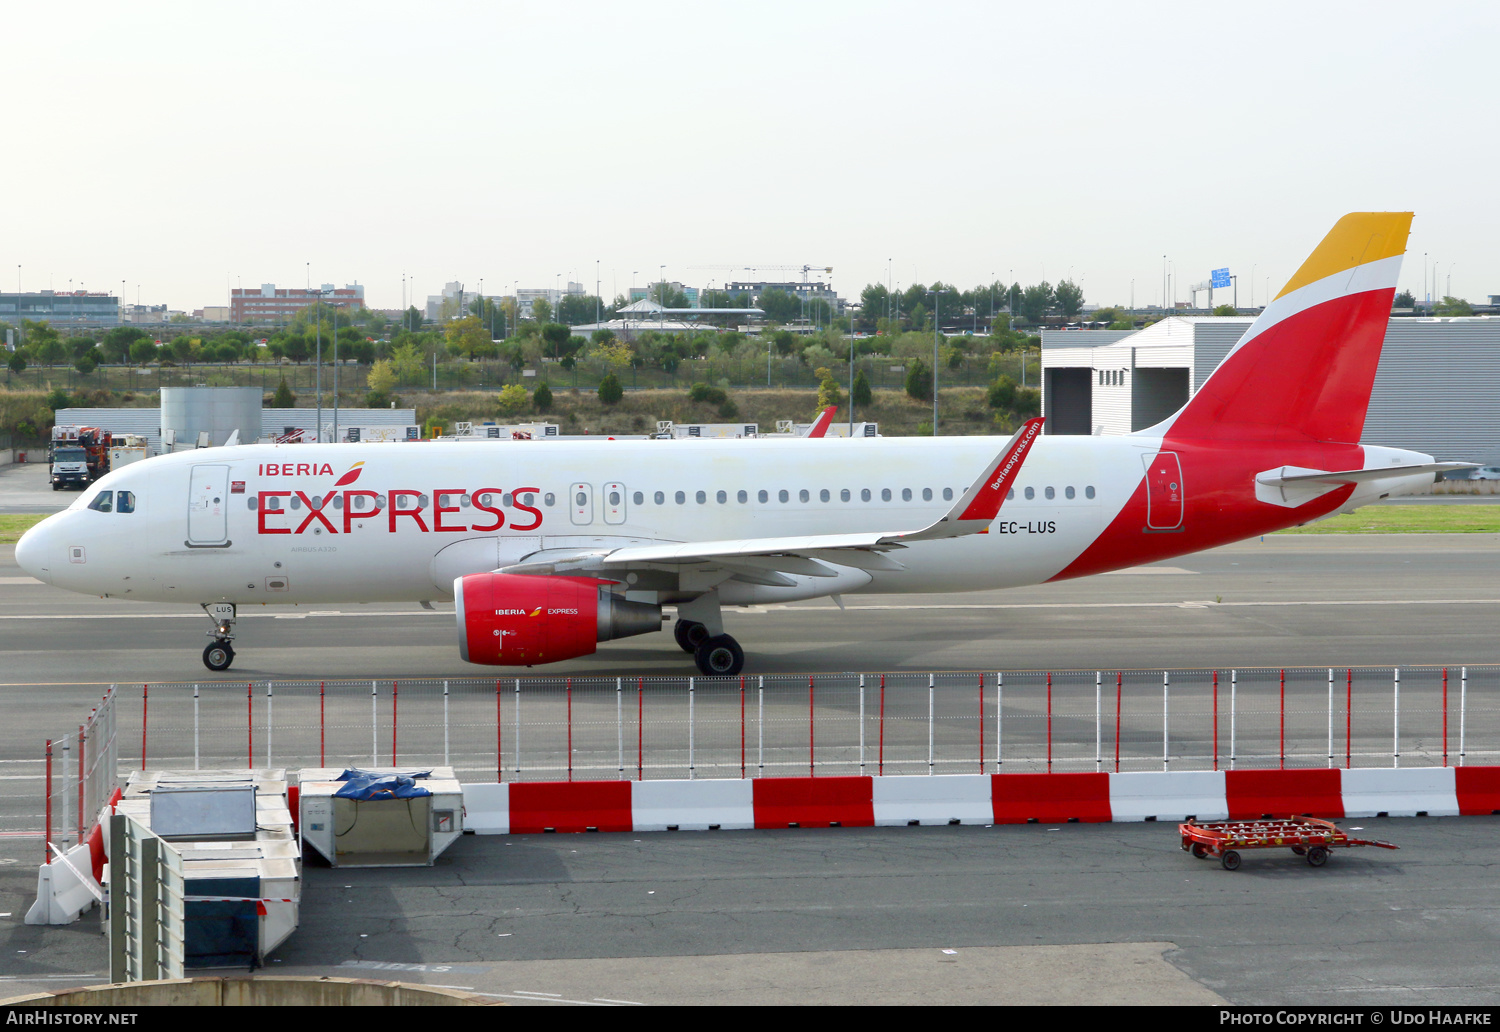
x=511, y=620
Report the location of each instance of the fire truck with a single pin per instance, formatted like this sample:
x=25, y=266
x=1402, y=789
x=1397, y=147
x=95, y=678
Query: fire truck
x=78, y=455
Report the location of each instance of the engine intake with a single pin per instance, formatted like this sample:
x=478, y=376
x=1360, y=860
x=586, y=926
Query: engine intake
x=507, y=619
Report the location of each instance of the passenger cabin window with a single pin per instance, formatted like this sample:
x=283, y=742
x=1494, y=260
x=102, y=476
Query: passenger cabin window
x=702, y=497
x=1088, y=492
x=104, y=501
x=947, y=494
x=549, y=499
x=803, y=496
x=885, y=494
x=864, y=494
x=844, y=495
x=783, y=496
x=1050, y=493
x=926, y=494
x=680, y=497
x=1030, y=493
x=743, y=497
x=823, y=495
x=639, y=498
x=763, y=496
x=722, y=497
x=1069, y=492
x=906, y=494
x=660, y=497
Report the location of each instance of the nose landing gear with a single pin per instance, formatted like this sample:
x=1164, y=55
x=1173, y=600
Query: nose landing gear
x=219, y=653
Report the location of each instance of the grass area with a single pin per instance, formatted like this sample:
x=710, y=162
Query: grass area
x=12, y=527
x=1410, y=519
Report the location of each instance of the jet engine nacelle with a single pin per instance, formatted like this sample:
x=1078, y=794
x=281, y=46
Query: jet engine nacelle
x=507, y=619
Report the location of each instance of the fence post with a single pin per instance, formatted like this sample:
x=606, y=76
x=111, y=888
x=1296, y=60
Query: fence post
x=1234, y=680
x=1445, y=716
x=83, y=739
x=1119, y=712
x=250, y=725
x=395, y=701
x=1216, y=720
x=64, y=825
x=981, y=723
x=1281, y=734
x=742, y=727
x=516, y=716
x=322, y=725
x=1396, y=720
x=640, y=728
x=880, y=756
x=1349, y=722
x=1330, y=717
x=374, y=744
x=930, y=700
x=499, y=738
x=1165, y=723
x=569, y=693
x=1049, y=722
x=861, y=724
x=760, y=725
x=999, y=700
x=195, y=725
x=1463, y=702
x=691, y=729
x=145, y=695
x=445, y=722
x=1098, y=721
x=47, y=853
x=620, y=726
x=270, y=723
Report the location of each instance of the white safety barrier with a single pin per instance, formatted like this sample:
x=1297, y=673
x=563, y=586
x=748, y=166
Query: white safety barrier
x=1400, y=792
x=692, y=805
x=1168, y=796
x=937, y=799
x=65, y=888
x=487, y=809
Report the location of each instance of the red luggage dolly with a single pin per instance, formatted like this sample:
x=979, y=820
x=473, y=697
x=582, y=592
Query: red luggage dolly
x=1305, y=836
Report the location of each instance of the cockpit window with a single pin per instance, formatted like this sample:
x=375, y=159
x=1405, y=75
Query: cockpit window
x=127, y=501
x=104, y=501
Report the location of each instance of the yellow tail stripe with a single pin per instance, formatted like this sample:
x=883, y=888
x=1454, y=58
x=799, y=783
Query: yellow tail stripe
x=1356, y=239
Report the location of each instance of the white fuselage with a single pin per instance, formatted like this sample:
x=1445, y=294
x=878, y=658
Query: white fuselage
x=410, y=518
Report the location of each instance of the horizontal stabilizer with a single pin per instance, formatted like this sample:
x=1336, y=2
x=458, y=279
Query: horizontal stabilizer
x=1285, y=475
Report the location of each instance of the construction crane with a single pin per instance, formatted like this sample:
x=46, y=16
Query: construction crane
x=804, y=269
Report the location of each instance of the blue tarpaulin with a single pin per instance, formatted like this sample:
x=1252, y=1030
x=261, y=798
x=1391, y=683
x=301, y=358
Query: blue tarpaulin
x=369, y=784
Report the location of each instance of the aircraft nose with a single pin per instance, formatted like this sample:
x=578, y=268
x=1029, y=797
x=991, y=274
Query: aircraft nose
x=32, y=552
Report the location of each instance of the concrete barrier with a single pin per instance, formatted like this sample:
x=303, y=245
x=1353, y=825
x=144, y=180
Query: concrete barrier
x=938, y=799
x=710, y=805
x=1050, y=798
x=65, y=888
x=1429, y=791
x=1168, y=796
x=250, y=991
x=487, y=809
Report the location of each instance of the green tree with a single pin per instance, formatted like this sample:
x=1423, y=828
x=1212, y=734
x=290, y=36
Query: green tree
x=541, y=310
x=919, y=380
x=411, y=319
x=381, y=377
x=778, y=305
x=85, y=364
x=1404, y=300
x=466, y=336
x=1453, y=306
x=610, y=391
x=578, y=308
x=1225, y=310
x=116, y=344
x=1069, y=298
x=1036, y=301
x=284, y=397
x=541, y=398
x=58, y=398
x=296, y=348
x=143, y=351
x=862, y=395
x=16, y=363
x=1002, y=393
x=555, y=337
x=512, y=399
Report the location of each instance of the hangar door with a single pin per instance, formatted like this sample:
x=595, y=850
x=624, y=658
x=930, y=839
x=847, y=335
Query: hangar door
x=1069, y=396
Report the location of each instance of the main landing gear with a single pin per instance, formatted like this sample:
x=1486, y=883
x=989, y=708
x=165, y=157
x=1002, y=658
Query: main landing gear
x=219, y=653
x=717, y=655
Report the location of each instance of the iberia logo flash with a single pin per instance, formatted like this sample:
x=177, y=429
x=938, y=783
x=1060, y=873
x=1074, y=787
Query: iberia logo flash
x=351, y=476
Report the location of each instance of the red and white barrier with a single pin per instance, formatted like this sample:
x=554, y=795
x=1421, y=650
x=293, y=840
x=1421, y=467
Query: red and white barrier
x=850, y=802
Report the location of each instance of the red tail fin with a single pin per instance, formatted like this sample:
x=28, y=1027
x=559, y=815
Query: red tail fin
x=1304, y=369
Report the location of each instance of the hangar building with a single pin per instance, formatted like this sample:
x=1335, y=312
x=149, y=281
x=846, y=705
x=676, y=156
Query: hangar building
x=1437, y=389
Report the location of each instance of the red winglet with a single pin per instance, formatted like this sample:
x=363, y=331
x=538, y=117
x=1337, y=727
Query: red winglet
x=823, y=422
x=986, y=503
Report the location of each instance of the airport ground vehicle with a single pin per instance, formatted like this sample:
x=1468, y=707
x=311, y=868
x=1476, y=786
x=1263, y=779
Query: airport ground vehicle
x=547, y=551
x=78, y=456
x=1310, y=837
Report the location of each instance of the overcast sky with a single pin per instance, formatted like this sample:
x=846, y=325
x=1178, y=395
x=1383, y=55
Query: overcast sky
x=191, y=147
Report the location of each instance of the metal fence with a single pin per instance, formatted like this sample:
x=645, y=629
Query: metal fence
x=81, y=773
x=561, y=728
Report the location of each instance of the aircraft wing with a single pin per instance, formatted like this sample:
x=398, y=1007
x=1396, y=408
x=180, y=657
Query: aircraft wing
x=806, y=554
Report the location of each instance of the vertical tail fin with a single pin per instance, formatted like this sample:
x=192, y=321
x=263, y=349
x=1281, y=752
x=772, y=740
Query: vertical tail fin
x=1305, y=367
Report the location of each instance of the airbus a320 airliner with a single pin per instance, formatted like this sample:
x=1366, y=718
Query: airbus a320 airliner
x=549, y=548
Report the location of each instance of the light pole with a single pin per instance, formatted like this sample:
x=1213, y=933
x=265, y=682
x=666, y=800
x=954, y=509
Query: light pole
x=661, y=298
x=937, y=302
x=334, y=312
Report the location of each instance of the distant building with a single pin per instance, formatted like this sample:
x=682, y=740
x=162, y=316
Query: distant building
x=144, y=314
x=273, y=304
x=642, y=293
x=62, y=309
x=213, y=313
x=806, y=291
x=527, y=296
